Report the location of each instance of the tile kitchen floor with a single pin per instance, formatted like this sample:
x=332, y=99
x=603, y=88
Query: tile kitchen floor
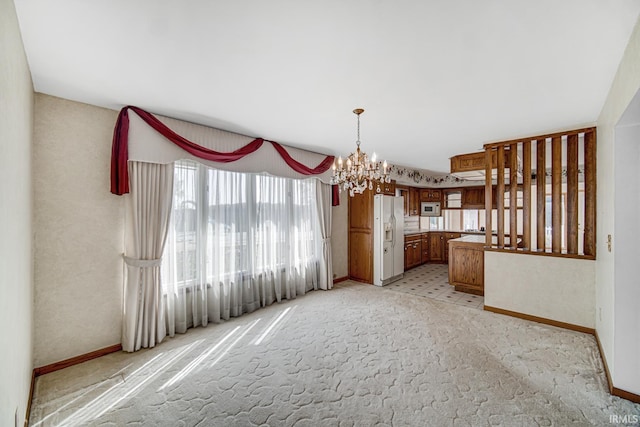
x=432, y=281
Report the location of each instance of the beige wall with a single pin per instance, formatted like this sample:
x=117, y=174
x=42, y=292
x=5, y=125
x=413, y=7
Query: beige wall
x=561, y=289
x=16, y=260
x=78, y=228
x=608, y=301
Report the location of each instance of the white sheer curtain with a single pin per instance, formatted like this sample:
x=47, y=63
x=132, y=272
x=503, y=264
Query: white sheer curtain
x=323, y=203
x=147, y=218
x=237, y=242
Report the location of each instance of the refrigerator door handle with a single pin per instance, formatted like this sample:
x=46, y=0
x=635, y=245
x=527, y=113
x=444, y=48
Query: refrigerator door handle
x=393, y=231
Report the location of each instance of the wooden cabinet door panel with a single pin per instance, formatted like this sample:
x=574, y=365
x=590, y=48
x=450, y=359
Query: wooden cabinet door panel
x=445, y=243
x=414, y=201
x=361, y=256
x=466, y=267
x=430, y=195
x=417, y=253
x=361, y=211
x=473, y=198
x=425, y=250
x=389, y=188
x=435, y=246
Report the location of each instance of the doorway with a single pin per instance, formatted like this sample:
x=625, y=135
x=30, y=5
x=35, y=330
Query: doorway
x=626, y=292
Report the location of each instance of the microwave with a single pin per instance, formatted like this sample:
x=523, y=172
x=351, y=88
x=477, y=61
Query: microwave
x=430, y=209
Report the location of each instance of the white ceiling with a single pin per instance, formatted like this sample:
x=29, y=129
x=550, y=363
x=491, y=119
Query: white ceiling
x=436, y=78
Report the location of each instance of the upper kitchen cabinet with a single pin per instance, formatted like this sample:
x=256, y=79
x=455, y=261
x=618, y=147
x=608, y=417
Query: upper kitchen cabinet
x=389, y=188
x=453, y=198
x=430, y=195
x=403, y=191
x=473, y=198
x=414, y=201
x=472, y=166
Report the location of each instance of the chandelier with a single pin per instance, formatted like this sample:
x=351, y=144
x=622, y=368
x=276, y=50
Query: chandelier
x=360, y=172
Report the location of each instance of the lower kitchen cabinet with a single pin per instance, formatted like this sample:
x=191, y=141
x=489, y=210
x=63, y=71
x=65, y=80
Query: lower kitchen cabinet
x=466, y=265
x=425, y=248
x=445, y=242
x=436, y=246
x=412, y=251
x=421, y=248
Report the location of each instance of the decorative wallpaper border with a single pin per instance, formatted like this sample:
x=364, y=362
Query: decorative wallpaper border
x=412, y=176
x=420, y=177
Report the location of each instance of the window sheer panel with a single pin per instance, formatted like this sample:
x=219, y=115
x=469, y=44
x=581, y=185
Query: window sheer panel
x=237, y=242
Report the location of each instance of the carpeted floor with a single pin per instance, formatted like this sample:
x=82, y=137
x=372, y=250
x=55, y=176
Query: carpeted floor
x=357, y=355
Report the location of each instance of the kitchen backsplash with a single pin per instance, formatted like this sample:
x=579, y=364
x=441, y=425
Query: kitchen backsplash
x=411, y=222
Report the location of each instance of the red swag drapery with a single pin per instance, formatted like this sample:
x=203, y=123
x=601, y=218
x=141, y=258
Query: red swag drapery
x=120, y=152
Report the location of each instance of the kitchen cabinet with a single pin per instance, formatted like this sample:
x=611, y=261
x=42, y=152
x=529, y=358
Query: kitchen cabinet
x=445, y=242
x=438, y=245
x=414, y=201
x=473, y=164
x=466, y=264
x=361, y=236
x=430, y=195
x=425, y=247
x=453, y=198
x=412, y=251
x=436, y=239
x=389, y=188
x=473, y=198
x=403, y=191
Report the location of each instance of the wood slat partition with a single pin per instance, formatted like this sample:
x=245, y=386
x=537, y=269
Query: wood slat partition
x=572, y=196
x=541, y=196
x=556, y=194
x=513, y=195
x=488, y=197
x=526, y=195
x=500, y=195
x=590, y=192
x=564, y=243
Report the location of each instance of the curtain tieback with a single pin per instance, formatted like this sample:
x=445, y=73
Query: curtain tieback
x=142, y=263
x=326, y=240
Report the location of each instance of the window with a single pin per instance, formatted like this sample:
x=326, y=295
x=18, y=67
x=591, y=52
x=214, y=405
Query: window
x=227, y=227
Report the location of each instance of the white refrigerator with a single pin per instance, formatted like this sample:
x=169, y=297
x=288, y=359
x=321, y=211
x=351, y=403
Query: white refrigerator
x=388, y=239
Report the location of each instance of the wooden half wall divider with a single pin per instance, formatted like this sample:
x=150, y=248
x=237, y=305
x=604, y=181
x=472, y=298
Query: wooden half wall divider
x=556, y=173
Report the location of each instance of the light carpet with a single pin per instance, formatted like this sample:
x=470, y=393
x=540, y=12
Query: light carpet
x=357, y=355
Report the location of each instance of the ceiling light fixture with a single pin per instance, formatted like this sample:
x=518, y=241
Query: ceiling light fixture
x=360, y=172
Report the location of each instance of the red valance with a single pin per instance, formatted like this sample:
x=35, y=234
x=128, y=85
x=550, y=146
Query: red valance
x=299, y=167
x=120, y=152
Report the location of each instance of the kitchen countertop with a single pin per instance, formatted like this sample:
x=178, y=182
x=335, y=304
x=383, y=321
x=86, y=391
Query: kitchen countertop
x=471, y=238
x=476, y=238
x=420, y=231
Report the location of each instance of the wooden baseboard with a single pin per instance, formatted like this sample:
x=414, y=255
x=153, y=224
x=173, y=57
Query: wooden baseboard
x=61, y=365
x=77, y=360
x=613, y=390
x=340, y=279
x=544, y=320
x=28, y=410
x=625, y=395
